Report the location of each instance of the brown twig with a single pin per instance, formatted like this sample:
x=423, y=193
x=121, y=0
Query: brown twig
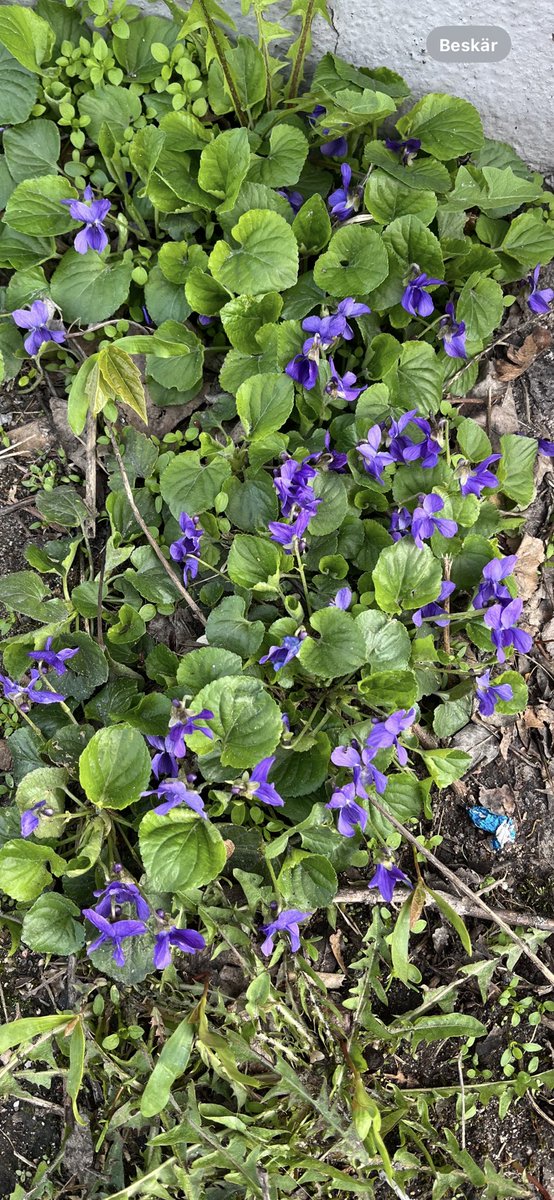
x=465, y=891
x=464, y=908
x=152, y=541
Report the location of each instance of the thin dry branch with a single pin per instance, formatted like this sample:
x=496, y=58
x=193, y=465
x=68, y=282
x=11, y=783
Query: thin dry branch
x=464, y=908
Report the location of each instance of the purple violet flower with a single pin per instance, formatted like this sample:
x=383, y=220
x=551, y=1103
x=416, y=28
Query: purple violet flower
x=116, y=893
x=407, y=149
x=415, y=299
x=501, y=620
x=289, y=536
x=342, y=600
x=179, y=729
x=386, y=878
x=286, y=922
x=204, y=320
x=29, y=820
x=364, y=773
x=92, y=213
x=546, y=447
x=338, y=147
x=165, y=762
x=374, y=459
x=488, y=694
x=349, y=307
x=328, y=459
x=327, y=329
x=473, y=482
x=425, y=523
x=491, y=588
x=350, y=813
x=295, y=199
x=38, y=320
x=539, y=299
x=304, y=367
x=15, y=692
x=186, y=548
x=279, y=656
x=400, y=523
x=342, y=387
x=453, y=333
x=187, y=940
x=385, y=734
x=176, y=792
x=402, y=447
x=434, y=609
x=53, y=658
x=345, y=201
x=292, y=482
x=114, y=933
x=258, y=787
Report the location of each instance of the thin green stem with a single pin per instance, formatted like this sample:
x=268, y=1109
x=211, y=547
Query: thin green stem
x=61, y=703
x=223, y=62
x=302, y=574
x=303, y=43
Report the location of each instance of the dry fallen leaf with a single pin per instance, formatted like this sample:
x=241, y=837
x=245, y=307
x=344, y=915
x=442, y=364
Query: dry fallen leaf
x=530, y=555
x=335, y=942
x=499, y=799
x=332, y=980
x=506, y=743
x=520, y=358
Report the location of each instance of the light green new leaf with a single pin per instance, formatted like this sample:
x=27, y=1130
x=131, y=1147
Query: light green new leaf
x=224, y=165
x=445, y=125
x=123, y=377
x=355, y=263
x=264, y=259
x=168, y=1067
x=189, y=485
x=282, y=166
x=34, y=207
x=26, y=35
x=244, y=316
x=32, y=149
x=339, y=649
x=87, y=287
x=52, y=926
x=312, y=225
x=481, y=306
x=18, y=90
x=180, y=850
x=114, y=767
x=247, y=722
x=23, y=871
x=252, y=560
x=264, y=402
x=406, y=577
x=516, y=468
x=529, y=239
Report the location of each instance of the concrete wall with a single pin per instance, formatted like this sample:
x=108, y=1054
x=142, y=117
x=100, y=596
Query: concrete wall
x=514, y=97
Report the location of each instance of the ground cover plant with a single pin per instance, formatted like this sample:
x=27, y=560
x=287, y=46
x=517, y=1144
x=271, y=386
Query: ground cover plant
x=312, y=280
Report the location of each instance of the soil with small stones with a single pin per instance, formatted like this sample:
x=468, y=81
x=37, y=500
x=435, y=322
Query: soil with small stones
x=511, y=774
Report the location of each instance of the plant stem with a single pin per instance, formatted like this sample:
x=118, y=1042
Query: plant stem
x=152, y=541
x=222, y=59
x=302, y=574
x=303, y=42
